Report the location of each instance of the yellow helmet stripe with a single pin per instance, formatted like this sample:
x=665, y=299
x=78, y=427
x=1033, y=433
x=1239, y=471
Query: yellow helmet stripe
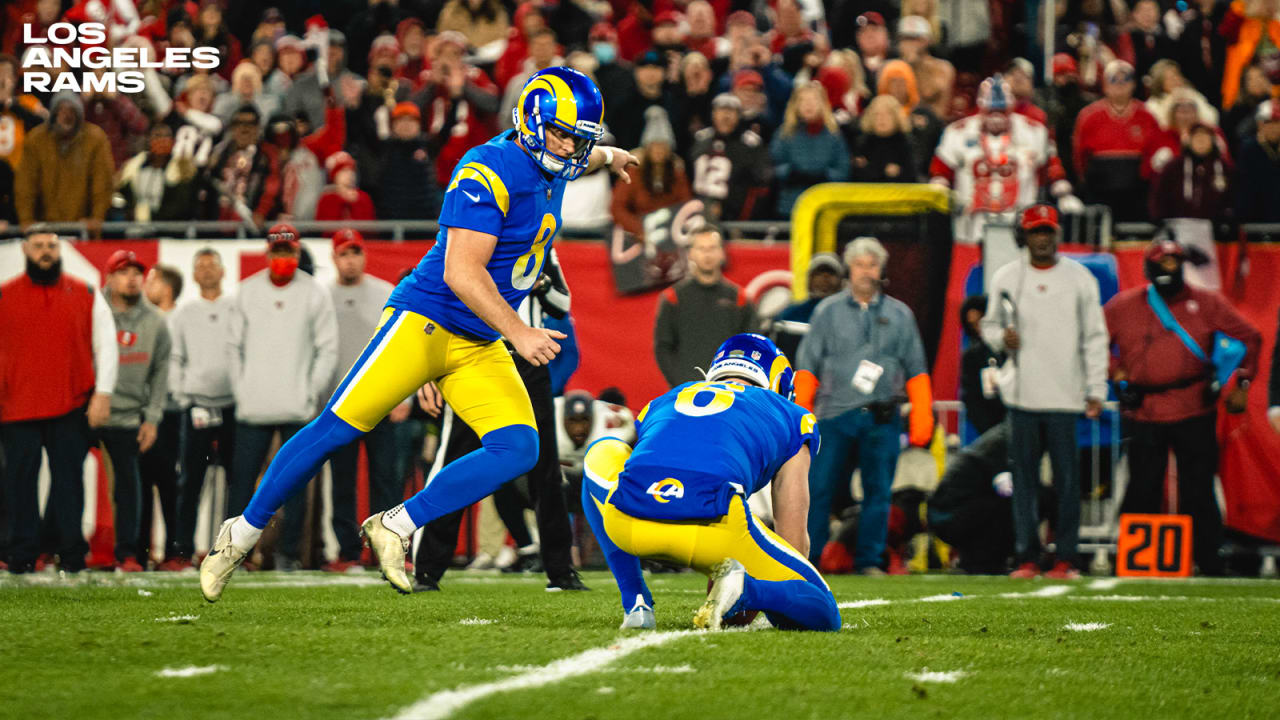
x=780, y=366
x=487, y=177
x=566, y=106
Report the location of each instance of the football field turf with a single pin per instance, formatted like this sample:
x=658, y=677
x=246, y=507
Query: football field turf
x=309, y=645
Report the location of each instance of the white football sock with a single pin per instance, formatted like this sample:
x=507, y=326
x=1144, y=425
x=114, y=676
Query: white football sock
x=243, y=535
x=398, y=521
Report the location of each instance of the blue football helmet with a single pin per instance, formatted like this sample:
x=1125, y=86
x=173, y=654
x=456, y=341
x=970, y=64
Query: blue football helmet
x=756, y=359
x=569, y=101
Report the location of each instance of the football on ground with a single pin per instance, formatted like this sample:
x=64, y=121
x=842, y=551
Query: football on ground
x=488, y=646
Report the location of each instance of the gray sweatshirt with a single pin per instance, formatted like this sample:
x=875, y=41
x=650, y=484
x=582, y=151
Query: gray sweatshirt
x=142, y=337
x=198, y=370
x=1065, y=346
x=844, y=334
x=358, y=307
x=283, y=349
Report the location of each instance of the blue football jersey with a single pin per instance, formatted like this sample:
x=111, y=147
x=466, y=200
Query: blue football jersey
x=498, y=189
x=702, y=443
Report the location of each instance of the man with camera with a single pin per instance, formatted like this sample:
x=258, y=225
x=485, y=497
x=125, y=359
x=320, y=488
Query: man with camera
x=1169, y=372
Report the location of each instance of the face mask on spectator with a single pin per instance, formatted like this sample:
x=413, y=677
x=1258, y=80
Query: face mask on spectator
x=604, y=52
x=284, y=267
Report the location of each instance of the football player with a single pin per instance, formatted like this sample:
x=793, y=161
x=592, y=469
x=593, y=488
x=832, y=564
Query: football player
x=681, y=495
x=445, y=321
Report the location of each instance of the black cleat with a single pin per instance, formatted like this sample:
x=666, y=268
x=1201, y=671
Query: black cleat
x=566, y=582
x=423, y=584
x=530, y=563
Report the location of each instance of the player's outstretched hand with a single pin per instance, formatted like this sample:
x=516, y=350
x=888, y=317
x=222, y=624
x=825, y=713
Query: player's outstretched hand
x=537, y=345
x=430, y=399
x=621, y=161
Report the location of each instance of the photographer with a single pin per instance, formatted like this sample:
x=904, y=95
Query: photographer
x=1170, y=393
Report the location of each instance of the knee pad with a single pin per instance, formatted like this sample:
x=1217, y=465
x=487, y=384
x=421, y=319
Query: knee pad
x=516, y=445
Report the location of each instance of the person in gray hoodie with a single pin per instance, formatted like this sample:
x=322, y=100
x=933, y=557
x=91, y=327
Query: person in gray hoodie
x=137, y=404
x=283, y=352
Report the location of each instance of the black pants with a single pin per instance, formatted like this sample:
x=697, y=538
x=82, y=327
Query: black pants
x=253, y=442
x=440, y=536
x=121, y=445
x=66, y=438
x=1195, y=449
x=1030, y=434
x=386, y=489
x=158, y=468
x=201, y=447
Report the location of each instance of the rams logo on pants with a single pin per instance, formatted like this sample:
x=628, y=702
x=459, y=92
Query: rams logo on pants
x=665, y=489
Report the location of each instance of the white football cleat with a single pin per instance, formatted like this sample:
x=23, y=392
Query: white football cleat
x=728, y=580
x=639, y=617
x=390, y=549
x=220, y=563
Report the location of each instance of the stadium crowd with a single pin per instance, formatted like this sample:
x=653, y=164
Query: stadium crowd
x=1156, y=110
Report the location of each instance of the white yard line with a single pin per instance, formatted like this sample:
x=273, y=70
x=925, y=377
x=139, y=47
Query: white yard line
x=446, y=702
x=1048, y=591
x=189, y=671
x=1104, y=584
x=863, y=603
x=1086, y=627
x=178, y=618
x=933, y=676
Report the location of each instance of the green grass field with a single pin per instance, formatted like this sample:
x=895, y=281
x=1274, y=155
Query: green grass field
x=306, y=645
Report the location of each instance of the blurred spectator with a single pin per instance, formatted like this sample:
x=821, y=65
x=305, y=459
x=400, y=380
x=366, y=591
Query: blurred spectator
x=358, y=299
x=118, y=117
x=1165, y=84
x=1258, y=181
x=1061, y=370
x=1252, y=31
x=808, y=149
x=543, y=53
x=646, y=89
x=1150, y=43
x=158, y=467
x=1109, y=139
x=978, y=365
x=751, y=53
x=301, y=157
x=1063, y=101
x=1197, y=182
x=691, y=100
x=306, y=95
x=825, y=277
x=50, y=400
x=1164, y=145
x=668, y=37
x=412, y=38
x=635, y=31
x=1020, y=76
x=789, y=30
x=873, y=44
x=137, y=402
x=899, y=80
x=528, y=20
x=263, y=55
x=369, y=116
x=242, y=180
x=210, y=30
x=458, y=104
x=1172, y=396
x=1200, y=49
x=659, y=180
x=200, y=381
x=283, y=353
x=246, y=89
x=611, y=74
x=862, y=356
x=748, y=87
x=407, y=189
x=968, y=32
x=66, y=169
x=380, y=18
x=936, y=77
x=883, y=150
x=158, y=184
x=195, y=127
x=480, y=21
x=1239, y=122
x=970, y=508
x=343, y=199
x=847, y=90
x=17, y=121
x=270, y=25
x=291, y=60
x=731, y=170
x=702, y=37
x=698, y=313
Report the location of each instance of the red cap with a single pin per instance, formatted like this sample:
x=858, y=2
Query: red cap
x=338, y=162
x=603, y=31
x=747, y=78
x=406, y=108
x=870, y=18
x=283, y=234
x=122, y=259
x=1038, y=216
x=1064, y=64
x=385, y=44
x=1163, y=247
x=666, y=17
x=347, y=239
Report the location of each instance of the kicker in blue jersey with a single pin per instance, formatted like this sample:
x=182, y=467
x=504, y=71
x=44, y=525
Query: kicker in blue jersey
x=704, y=442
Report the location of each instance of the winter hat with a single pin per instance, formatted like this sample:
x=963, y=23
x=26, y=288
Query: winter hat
x=657, y=128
